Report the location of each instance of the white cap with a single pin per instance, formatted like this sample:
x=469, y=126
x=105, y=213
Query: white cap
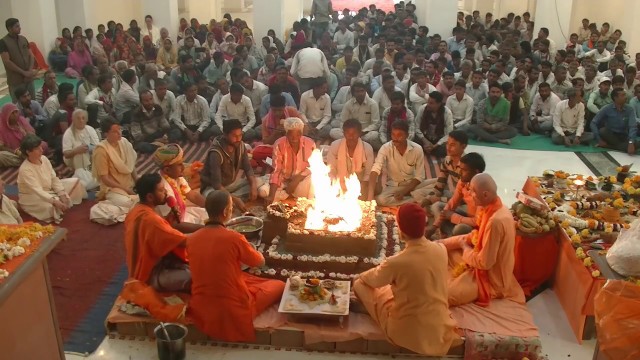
x=603, y=79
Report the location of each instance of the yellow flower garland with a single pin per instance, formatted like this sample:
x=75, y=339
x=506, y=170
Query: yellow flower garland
x=182, y=189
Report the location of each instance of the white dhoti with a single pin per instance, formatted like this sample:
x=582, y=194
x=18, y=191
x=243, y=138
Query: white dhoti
x=33, y=204
x=304, y=189
x=114, y=208
x=421, y=192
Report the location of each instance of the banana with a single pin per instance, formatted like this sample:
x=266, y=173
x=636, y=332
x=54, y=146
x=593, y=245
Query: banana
x=526, y=229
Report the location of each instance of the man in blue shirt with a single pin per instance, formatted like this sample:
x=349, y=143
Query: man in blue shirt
x=615, y=125
x=456, y=42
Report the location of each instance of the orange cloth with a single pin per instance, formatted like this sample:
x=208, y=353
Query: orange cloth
x=145, y=296
x=224, y=299
x=407, y=296
x=147, y=238
x=575, y=287
x=40, y=62
x=536, y=259
x=495, y=255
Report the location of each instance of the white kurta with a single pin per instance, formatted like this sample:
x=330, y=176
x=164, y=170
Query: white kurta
x=9, y=214
x=38, y=187
x=71, y=140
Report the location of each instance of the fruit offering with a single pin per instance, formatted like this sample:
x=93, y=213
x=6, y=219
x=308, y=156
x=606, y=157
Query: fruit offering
x=313, y=291
x=531, y=221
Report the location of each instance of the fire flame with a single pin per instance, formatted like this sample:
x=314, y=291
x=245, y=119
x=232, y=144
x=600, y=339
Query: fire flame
x=330, y=201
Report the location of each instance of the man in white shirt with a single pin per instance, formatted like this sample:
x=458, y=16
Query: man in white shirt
x=308, y=64
x=343, y=37
x=600, y=54
x=254, y=90
x=419, y=92
x=223, y=89
x=542, y=108
x=315, y=105
x=568, y=121
x=362, y=108
x=403, y=162
x=127, y=98
x=378, y=55
x=236, y=105
x=382, y=96
x=477, y=89
x=351, y=156
x=164, y=98
x=461, y=106
x=100, y=101
x=191, y=117
x=544, y=34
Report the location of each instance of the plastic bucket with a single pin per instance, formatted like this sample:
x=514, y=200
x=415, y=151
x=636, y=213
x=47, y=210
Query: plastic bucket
x=173, y=348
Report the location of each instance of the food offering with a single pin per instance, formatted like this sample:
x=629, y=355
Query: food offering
x=532, y=220
x=315, y=297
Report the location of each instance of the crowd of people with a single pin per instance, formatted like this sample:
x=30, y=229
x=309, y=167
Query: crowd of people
x=376, y=90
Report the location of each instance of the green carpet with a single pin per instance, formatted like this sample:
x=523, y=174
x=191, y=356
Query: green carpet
x=38, y=83
x=538, y=143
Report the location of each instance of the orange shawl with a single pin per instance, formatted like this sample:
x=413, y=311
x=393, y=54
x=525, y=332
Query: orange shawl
x=482, y=276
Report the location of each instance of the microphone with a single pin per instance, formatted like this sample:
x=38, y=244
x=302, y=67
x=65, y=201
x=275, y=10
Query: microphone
x=173, y=205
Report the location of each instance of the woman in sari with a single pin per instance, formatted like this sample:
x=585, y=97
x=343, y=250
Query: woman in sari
x=256, y=51
x=167, y=56
x=150, y=51
x=134, y=30
x=211, y=44
x=78, y=59
x=40, y=193
x=183, y=26
x=237, y=35
x=276, y=41
x=59, y=54
x=13, y=128
x=228, y=47
x=78, y=143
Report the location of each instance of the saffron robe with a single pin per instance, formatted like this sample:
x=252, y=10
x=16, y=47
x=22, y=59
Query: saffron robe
x=407, y=296
x=148, y=237
x=225, y=300
x=497, y=257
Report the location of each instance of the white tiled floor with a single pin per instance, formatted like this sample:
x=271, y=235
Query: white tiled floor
x=510, y=169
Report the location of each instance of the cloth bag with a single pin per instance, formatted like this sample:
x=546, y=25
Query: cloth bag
x=617, y=312
x=624, y=255
x=86, y=178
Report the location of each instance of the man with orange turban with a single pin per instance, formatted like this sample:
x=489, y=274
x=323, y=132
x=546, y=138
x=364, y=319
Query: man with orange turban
x=407, y=294
x=189, y=203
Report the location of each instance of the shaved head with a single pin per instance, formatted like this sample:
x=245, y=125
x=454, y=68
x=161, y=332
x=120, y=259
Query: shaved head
x=484, y=189
x=216, y=203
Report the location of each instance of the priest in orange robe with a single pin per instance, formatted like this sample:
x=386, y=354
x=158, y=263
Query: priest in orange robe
x=407, y=294
x=482, y=262
x=225, y=300
x=153, y=246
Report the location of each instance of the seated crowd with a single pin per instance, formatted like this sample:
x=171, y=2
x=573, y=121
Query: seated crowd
x=374, y=89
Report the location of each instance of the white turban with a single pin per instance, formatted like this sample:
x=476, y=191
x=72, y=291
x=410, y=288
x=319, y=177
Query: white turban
x=293, y=123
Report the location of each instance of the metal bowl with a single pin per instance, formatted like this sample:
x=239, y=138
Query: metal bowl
x=240, y=223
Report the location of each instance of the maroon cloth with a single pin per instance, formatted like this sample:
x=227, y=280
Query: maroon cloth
x=11, y=136
x=412, y=220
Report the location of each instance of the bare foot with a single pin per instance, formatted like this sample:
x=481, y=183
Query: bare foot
x=505, y=142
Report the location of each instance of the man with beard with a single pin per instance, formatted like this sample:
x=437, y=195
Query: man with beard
x=227, y=167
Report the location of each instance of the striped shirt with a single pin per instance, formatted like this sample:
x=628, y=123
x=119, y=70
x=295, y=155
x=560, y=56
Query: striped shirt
x=286, y=164
x=191, y=113
x=447, y=169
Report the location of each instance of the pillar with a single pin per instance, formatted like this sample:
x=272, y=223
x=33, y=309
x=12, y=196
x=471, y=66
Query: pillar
x=438, y=15
x=164, y=13
x=38, y=21
x=204, y=10
x=485, y=6
x=630, y=27
x=555, y=16
x=71, y=13
x=278, y=15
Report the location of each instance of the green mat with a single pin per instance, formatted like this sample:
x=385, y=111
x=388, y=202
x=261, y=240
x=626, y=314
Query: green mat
x=538, y=143
x=38, y=83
